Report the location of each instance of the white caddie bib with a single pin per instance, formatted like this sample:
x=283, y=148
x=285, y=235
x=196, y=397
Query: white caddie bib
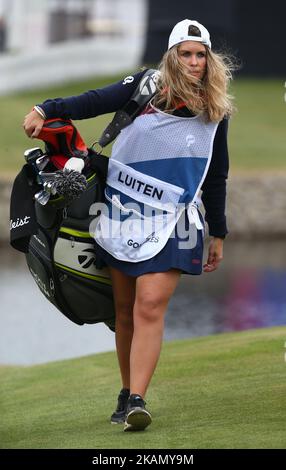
x=157, y=167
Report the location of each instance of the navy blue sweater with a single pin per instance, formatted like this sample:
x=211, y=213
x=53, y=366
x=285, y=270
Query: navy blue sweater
x=113, y=97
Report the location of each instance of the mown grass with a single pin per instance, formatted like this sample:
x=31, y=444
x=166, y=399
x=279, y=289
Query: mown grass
x=221, y=391
x=257, y=130
x=256, y=137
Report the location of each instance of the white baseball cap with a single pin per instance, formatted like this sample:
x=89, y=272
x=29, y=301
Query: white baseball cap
x=180, y=33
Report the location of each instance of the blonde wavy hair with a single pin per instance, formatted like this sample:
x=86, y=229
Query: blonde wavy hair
x=209, y=95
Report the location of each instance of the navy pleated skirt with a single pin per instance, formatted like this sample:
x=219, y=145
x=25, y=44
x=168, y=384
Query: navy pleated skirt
x=188, y=260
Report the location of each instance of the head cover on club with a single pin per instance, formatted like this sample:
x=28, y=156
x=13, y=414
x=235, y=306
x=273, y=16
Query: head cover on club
x=69, y=183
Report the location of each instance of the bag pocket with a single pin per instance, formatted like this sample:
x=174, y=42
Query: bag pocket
x=41, y=267
x=39, y=264
x=88, y=299
x=87, y=290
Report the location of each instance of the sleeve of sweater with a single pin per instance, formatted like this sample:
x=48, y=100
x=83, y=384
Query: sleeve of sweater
x=93, y=102
x=214, y=186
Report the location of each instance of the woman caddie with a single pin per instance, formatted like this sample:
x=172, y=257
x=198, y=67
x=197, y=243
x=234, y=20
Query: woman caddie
x=173, y=151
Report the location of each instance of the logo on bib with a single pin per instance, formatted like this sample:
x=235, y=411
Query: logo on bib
x=132, y=243
x=150, y=238
x=190, y=139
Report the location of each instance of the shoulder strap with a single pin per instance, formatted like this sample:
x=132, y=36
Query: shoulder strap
x=122, y=118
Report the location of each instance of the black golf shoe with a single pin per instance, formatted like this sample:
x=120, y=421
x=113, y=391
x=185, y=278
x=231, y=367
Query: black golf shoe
x=137, y=417
x=120, y=413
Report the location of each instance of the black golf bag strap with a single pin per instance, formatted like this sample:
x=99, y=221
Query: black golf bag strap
x=142, y=95
x=121, y=119
x=98, y=163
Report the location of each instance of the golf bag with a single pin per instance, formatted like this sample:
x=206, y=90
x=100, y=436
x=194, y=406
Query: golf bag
x=53, y=230
x=61, y=259
x=54, y=233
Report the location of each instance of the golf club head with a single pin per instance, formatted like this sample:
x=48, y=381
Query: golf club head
x=49, y=187
x=31, y=155
x=42, y=162
x=48, y=176
x=42, y=197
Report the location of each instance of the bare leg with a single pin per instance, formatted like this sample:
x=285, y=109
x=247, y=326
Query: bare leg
x=153, y=292
x=124, y=296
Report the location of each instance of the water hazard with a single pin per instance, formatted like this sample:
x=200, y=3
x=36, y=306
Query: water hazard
x=248, y=291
